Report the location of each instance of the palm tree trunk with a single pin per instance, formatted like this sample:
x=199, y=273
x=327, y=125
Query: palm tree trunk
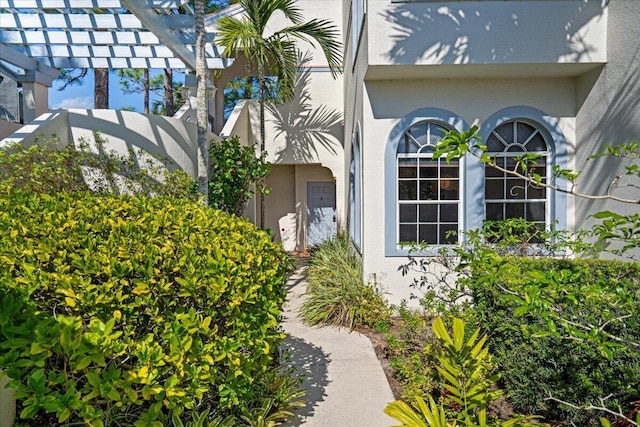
x=101, y=88
x=168, y=92
x=201, y=96
x=146, y=90
x=262, y=138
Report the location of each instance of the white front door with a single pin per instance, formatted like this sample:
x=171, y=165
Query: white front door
x=321, y=212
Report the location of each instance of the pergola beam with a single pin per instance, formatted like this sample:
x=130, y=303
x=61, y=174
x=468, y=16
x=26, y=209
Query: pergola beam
x=109, y=37
x=154, y=23
x=104, y=33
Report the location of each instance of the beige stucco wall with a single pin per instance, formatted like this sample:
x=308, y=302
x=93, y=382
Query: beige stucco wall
x=475, y=58
x=171, y=139
x=483, y=32
x=609, y=112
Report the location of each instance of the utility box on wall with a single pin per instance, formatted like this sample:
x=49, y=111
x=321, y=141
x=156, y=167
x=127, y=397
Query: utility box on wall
x=287, y=228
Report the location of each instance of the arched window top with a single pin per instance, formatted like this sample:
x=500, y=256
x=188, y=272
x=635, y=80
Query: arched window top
x=516, y=136
x=422, y=138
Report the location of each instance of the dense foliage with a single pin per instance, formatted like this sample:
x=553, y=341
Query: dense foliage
x=467, y=382
x=235, y=175
x=128, y=310
x=52, y=167
x=537, y=363
x=336, y=292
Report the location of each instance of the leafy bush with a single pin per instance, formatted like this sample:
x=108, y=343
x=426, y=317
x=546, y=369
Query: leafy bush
x=52, y=167
x=464, y=365
x=235, y=175
x=573, y=334
x=125, y=311
x=336, y=293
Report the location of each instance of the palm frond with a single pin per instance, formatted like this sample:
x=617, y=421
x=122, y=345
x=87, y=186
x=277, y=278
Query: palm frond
x=322, y=32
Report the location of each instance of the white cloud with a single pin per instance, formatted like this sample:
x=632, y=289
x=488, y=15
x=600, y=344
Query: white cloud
x=79, y=102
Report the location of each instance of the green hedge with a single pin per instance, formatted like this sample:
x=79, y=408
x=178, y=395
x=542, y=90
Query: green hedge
x=122, y=311
x=534, y=367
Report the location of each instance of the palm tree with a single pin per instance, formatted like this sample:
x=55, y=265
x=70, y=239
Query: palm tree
x=202, y=118
x=276, y=54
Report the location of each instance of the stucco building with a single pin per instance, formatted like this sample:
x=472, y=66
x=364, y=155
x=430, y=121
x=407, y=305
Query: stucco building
x=556, y=78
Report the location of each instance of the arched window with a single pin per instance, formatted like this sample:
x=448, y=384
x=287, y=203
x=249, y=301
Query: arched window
x=507, y=196
x=355, y=192
x=428, y=189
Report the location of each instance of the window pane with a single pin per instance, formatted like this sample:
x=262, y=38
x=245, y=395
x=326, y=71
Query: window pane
x=407, y=233
x=514, y=210
x=428, y=190
x=429, y=233
x=449, y=213
x=448, y=233
x=494, y=188
x=428, y=169
x=535, y=211
x=537, y=143
x=419, y=133
x=494, y=145
x=505, y=132
x=449, y=189
x=536, y=193
x=437, y=133
x=491, y=171
x=494, y=211
x=524, y=132
x=450, y=170
x=407, y=190
x=407, y=168
x=408, y=213
x=407, y=145
x=429, y=213
x=515, y=188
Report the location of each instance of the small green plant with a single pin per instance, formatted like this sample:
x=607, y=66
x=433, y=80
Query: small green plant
x=465, y=366
x=235, y=175
x=412, y=355
x=336, y=292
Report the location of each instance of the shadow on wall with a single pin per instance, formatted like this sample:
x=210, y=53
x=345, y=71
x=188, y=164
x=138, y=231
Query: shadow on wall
x=619, y=124
x=497, y=32
x=168, y=138
x=305, y=128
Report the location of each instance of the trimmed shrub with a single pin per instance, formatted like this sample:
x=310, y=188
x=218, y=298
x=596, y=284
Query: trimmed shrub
x=538, y=361
x=124, y=311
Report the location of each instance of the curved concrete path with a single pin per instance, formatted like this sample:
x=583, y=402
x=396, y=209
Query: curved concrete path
x=345, y=384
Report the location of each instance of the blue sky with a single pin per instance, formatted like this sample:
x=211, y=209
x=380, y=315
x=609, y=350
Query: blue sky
x=81, y=96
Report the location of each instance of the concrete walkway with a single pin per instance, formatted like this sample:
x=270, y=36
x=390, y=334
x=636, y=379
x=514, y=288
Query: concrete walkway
x=345, y=384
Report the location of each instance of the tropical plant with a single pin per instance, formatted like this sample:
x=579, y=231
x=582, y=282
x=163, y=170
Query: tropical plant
x=235, y=175
x=336, y=292
x=276, y=53
x=465, y=366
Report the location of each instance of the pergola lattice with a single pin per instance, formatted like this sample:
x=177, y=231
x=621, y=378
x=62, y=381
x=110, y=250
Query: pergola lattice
x=102, y=34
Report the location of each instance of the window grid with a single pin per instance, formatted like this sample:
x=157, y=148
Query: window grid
x=428, y=202
x=507, y=196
